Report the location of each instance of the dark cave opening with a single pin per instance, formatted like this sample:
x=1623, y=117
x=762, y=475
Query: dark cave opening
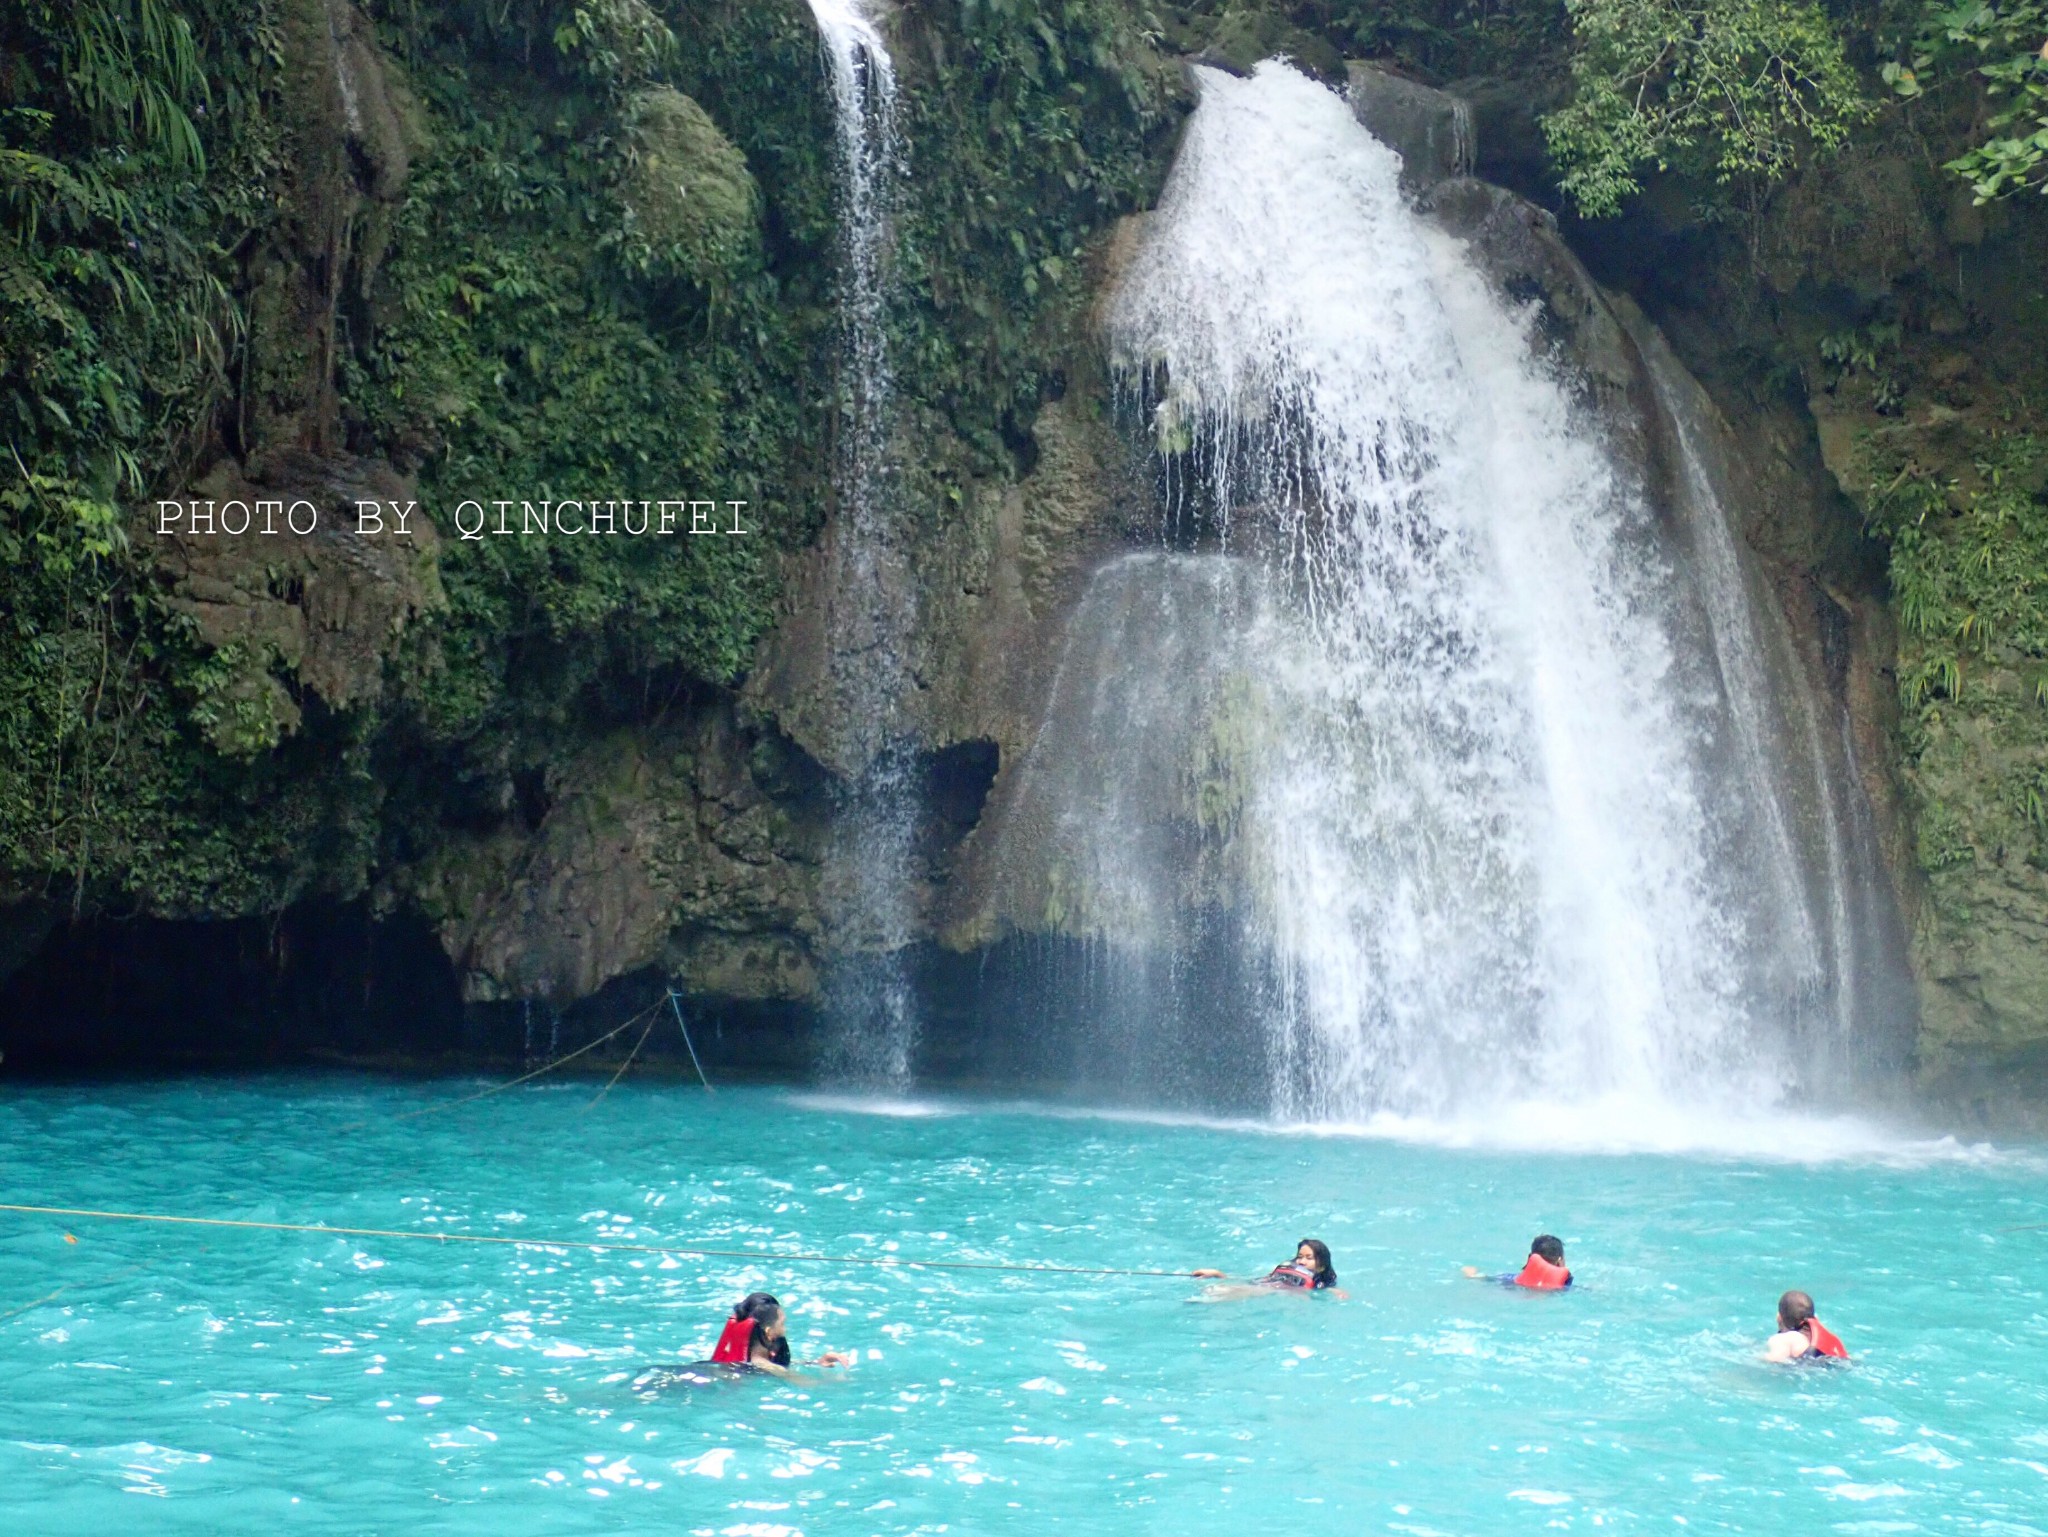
x=318, y=980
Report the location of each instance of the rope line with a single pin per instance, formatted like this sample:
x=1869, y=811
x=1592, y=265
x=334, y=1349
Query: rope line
x=545, y=1067
x=652, y=1021
x=886, y=1262
x=675, y=1004
x=72, y=1286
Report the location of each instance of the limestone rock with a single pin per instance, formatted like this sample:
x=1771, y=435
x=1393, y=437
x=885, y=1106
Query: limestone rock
x=1430, y=130
x=1520, y=248
x=693, y=848
x=318, y=611
x=325, y=609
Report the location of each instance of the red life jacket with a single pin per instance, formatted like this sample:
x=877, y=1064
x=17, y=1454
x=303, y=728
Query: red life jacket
x=1294, y=1277
x=736, y=1344
x=1824, y=1341
x=1540, y=1275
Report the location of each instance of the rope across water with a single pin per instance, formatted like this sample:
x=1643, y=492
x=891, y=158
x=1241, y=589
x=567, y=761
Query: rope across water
x=885, y=1262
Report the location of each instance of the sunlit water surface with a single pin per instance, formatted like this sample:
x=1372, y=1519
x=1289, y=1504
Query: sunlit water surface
x=201, y=1380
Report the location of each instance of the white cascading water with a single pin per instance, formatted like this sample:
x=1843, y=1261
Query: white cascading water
x=863, y=80
x=1484, y=845
x=872, y=1021
x=1741, y=652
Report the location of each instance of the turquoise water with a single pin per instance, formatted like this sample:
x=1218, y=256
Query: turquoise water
x=207, y=1380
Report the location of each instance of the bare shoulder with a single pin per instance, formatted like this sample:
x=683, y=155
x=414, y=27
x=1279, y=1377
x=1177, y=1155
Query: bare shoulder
x=1787, y=1345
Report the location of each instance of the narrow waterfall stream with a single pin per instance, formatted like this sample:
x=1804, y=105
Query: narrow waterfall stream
x=1499, y=762
x=872, y=1019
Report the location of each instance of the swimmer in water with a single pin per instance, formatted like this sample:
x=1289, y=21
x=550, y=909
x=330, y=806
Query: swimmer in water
x=755, y=1339
x=1309, y=1271
x=1801, y=1336
x=763, y=1342
x=1543, y=1271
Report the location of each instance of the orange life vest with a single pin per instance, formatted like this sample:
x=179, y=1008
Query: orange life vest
x=736, y=1344
x=1540, y=1275
x=1824, y=1341
x=1293, y=1276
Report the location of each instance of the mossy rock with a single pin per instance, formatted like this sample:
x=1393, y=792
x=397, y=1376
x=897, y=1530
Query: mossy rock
x=692, y=207
x=1247, y=33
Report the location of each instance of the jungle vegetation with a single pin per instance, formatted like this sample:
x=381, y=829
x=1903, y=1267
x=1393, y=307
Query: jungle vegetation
x=537, y=311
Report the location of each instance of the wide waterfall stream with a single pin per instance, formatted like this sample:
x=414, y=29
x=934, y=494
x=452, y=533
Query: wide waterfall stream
x=1485, y=750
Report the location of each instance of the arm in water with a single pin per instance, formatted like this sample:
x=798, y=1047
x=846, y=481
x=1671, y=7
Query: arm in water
x=1543, y=1270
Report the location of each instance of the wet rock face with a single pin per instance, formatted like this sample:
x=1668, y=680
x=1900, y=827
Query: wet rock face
x=1431, y=130
x=699, y=849
x=1824, y=642
x=1246, y=31
x=981, y=585
x=351, y=129
x=694, y=848
x=1920, y=379
x=1519, y=246
x=992, y=584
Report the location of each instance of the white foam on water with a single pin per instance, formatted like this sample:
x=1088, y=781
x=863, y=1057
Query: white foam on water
x=1620, y=1125
x=878, y=1104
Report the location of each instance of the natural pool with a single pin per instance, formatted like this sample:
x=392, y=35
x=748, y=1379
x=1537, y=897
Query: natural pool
x=208, y=1380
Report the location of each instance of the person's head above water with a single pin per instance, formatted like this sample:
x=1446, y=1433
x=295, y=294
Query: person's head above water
x=1544, y=1269
x=1314, y=1255
x=1801, y=1336
x=1795, y=1311
x=767, y=1332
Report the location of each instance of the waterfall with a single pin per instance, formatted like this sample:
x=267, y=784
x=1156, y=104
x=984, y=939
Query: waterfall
x=863, y=81
x=1505, y=823
x=870, y=874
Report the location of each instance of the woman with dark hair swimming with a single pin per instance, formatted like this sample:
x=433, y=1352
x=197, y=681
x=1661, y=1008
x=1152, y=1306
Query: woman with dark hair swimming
x=1309, y=1271
x=754, y=1335
x=755, y=1339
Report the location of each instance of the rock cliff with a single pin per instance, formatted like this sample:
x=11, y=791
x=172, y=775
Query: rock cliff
x=491, y=257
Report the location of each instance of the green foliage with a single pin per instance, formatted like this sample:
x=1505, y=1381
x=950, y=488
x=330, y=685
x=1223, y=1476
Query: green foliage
x=616, y=42
x=690, y=203
x=1870, y=352
x=576, y=307
x=2005, y=46
x=610, y=275
x=1041, y=123
x=1444, y=39
x=131, y=68
x=1966, y=568
x=1967, y=585
x=1732, y=91
x=519, y=344
x=130, y=166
